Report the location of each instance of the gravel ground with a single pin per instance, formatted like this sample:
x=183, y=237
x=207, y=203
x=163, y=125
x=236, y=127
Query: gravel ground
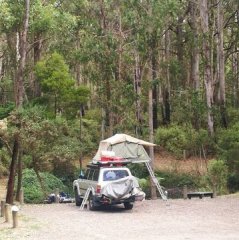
x=208, y=219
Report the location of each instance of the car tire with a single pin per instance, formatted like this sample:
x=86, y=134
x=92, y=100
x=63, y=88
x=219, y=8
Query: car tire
x=128, y=205
x=91, y=203
x=78, y=199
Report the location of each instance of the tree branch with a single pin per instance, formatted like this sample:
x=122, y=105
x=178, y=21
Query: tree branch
x=7, y=145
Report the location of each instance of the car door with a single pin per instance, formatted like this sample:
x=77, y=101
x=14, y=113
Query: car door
x=90, y=181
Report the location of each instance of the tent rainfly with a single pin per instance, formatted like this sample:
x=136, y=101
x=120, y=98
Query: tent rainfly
x=125, y=146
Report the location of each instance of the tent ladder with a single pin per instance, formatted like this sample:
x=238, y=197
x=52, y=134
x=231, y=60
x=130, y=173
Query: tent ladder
x=85, y=198
x=156, y=182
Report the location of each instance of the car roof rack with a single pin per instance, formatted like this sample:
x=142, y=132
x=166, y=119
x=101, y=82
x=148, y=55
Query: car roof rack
x=111, y=163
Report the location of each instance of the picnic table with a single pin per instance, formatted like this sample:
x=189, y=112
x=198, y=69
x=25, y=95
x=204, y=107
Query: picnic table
x=199, y=194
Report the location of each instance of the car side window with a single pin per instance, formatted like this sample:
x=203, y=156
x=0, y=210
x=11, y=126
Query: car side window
x=96, y=175
x=87, y=173
x=91, y=173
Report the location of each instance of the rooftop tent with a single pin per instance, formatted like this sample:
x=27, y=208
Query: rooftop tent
x=124, y=146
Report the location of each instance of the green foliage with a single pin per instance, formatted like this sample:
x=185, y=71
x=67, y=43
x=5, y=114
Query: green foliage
x=53, y=73
x=42, y=17
x=173, y=139
x=173, y=180
x=217, y=175
x=228, y=144
x=233, y=182
x=228, y=149
x=233, y=116
x=4, y=161
x=5, y=110
x=32, y=189
x=8, y=15
x=52, y=144
x=139, y=170
x=198, y=141
x=144, y=184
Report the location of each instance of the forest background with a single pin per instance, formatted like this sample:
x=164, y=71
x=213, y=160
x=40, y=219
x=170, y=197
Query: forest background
x=75, y=72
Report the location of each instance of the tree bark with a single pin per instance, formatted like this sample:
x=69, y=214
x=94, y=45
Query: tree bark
x=155, y=94
x=166, y=108
x=195, y=49
x=19, y=174
x=18, y=99
x=37, y=56
x=221, y=65
x=22, y=60
x=151, y=139
x=35, y=167
x=235, y=69
x=11, y=178
x=208, y=81
x=137, y=89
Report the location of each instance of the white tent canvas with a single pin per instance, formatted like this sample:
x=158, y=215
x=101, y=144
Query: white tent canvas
x=124, y=146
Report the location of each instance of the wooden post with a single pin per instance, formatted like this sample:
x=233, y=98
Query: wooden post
x=7, y=212
x=15, y=216
x=185, y=192
x=21, y=197
x=2, y=208
x=57, y=195
x=184, y=155
x=214, y=190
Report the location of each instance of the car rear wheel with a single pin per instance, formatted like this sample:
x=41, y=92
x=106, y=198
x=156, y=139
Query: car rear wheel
x=91, y=202
x=78, y=199
x=128, y=205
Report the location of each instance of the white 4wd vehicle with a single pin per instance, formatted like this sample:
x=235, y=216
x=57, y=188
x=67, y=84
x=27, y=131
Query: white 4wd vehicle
x=108, y=185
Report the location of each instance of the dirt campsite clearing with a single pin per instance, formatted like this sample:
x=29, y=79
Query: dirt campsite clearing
x=206, y=218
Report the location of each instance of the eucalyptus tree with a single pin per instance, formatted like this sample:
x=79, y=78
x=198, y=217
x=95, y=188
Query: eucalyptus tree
x=15, y=27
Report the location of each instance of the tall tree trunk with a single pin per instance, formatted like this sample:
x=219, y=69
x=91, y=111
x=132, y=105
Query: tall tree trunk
x=166, y=108
x=195, y=49
x=208, y=81
x=36, y=169
x=22, y=60
x=151, y=136
x=154, y=84
x=137, y=89
x=180, y=53
x=19, y=174
x=151, y=69
x=221, y=60
x=11, y=178
x=37, y=57
x=235, y=69
x=18, y=99
x=195, y=58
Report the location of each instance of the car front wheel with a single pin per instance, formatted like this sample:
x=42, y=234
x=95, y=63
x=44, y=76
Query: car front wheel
x=78, y=199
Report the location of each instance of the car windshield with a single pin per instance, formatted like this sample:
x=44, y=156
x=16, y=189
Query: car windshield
x=111, y=175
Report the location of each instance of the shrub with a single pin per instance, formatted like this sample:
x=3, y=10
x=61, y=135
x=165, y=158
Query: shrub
x=228, y=150
x=32, y=189
x=144, y=184
x=173, y=139
x=217, y=175
x=172, y=180
x=233, y=182
x=4, y=162
x=139, y=170
x=233, y=115
x=5, y=110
